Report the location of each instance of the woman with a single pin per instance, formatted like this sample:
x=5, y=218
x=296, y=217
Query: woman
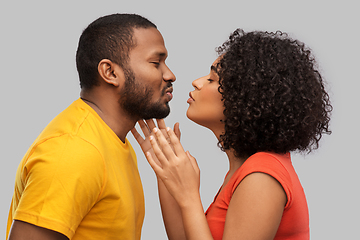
x=262, y=99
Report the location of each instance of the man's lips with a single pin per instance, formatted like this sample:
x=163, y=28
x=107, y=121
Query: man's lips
x=169, y=94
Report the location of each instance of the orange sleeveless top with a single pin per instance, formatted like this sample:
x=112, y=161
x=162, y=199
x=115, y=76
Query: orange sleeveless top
x=294, y=224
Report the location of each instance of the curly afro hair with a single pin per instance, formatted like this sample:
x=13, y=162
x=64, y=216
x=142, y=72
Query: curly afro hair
x=274, y=97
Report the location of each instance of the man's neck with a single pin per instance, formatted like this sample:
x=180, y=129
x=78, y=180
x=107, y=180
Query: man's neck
x=110, y=112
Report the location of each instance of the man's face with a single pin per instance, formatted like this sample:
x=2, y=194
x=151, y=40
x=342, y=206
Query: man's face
x=148, y=86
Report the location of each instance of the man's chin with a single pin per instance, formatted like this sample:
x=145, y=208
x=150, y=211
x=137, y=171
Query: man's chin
x=157, y=113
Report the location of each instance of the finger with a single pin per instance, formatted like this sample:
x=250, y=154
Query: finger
x=177, y=130
x=144, y=128
x=150, y=123
x=162, y=126
x=175, y=142
x=155, y=166
x=167, y=150
x=161, y=123
x=162, y=158
x=193, y=162
x=137, y=135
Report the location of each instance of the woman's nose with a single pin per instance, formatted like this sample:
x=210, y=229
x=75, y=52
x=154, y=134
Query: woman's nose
x=198, y=83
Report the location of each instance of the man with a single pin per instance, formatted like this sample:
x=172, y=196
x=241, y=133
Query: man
x=79, y=179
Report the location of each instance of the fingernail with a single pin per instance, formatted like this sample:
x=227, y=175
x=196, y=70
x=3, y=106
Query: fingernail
x=151, y=138
x=155, y=129
x=168, y=129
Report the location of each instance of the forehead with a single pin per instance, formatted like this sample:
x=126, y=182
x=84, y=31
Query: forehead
x=214, y=66
x=149, y=42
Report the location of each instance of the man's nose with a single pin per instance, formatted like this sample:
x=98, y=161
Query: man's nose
x=169, y=75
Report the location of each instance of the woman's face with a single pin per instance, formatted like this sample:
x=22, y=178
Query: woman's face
x=205, y=104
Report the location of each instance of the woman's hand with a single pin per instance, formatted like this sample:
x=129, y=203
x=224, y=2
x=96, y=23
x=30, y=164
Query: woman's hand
x=170, y=209
x=146, y=127
x=177, y=169
x=178, y=178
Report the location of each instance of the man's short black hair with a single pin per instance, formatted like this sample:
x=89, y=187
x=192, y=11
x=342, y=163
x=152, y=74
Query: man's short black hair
x=108, y=37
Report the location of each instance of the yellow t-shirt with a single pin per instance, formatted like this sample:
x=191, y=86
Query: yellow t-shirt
x=78, y=178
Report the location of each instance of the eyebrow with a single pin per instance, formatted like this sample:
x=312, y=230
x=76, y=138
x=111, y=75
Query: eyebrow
x=160, y=54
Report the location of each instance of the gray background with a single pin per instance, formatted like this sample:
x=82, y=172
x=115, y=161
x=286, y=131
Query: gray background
x=39, y=79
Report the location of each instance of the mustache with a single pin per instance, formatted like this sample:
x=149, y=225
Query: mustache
x=168, y=85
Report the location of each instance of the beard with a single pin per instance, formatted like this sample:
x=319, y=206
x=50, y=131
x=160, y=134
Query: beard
x=136, y=99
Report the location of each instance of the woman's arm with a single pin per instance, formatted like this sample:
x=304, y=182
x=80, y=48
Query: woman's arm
x=171, y=214
x=255, y=209
x=180, y=175
x=169, y=207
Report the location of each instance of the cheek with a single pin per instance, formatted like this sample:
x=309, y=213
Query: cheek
x=148, y=74
x=150, y=83
x=212, y=98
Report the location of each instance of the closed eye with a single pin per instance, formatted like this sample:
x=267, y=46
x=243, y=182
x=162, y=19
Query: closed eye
x=156, y=63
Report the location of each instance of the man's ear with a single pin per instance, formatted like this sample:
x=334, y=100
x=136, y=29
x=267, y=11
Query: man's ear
x=111, y=72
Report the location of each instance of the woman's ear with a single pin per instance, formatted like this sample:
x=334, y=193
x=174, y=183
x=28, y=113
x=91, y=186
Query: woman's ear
x=111, y=72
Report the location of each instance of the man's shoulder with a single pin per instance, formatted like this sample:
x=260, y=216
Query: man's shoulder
x=69, y=121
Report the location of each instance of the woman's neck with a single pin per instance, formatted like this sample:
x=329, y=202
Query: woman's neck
x=234, y=164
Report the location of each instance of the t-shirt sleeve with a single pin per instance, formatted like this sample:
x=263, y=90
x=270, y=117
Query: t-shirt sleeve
x=269, y=164
x=63, y=178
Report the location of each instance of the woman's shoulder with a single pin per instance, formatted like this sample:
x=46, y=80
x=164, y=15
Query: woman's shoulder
x=265, y=161
x=278, y=166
